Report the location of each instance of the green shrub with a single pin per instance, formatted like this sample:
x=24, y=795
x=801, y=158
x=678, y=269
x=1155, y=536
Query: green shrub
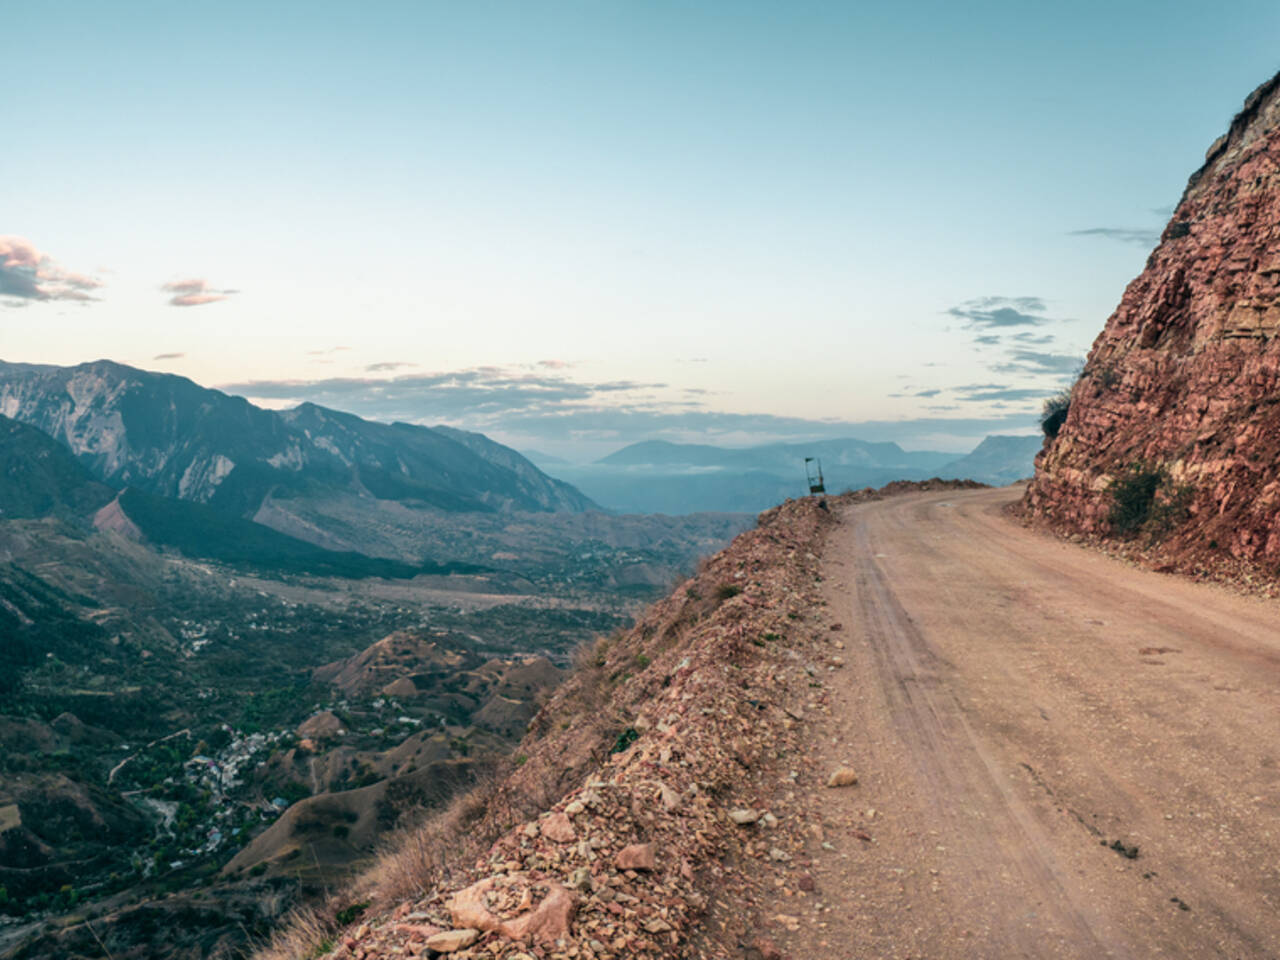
x=1053, y=414
x=1143, y=497
x=1171, y=507
x=727, y=591
x=1132, y=493
x=293, y=791
x=349, y=915
x=625, y=739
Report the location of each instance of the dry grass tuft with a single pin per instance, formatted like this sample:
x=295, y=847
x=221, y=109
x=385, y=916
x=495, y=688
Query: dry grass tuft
x=417, y=858
x=304, y=934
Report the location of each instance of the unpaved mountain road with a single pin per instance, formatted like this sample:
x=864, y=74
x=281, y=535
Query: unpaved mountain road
x=1015, y=706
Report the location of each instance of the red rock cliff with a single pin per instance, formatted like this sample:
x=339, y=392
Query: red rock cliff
x=1186, y=375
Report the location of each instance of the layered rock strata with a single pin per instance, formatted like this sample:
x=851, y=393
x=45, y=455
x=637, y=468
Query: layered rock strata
x=1184, y=381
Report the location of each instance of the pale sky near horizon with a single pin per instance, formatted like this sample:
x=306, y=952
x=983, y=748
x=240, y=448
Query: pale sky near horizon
x=576, y=225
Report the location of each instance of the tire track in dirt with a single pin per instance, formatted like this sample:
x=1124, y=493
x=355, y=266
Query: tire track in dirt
x=1022, y=712
x=962, y=784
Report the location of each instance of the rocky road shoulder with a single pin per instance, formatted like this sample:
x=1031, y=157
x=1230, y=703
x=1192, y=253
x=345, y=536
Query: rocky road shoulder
x=680, y=829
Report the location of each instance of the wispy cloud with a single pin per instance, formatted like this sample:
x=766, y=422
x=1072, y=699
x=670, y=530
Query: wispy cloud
x=989, y=392
x=1032, y=361
x=1142, y=238
x=475, y=394
x=168, y=356
x=386, y=366
x=193, y=292
x=987, y=313
x=1018, y=324
x=27, y=274
x=1028, y=337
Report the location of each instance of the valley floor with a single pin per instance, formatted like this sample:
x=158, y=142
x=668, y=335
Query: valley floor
x=1060, y=754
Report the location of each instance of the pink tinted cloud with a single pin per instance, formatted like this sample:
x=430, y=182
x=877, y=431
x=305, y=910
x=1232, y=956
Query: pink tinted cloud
x=29, y=274
x=193, y=292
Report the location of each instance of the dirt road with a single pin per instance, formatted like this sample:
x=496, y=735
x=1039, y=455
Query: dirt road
x=1060, y=755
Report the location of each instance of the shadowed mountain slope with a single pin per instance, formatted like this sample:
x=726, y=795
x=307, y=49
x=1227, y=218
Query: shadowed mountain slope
x=39, y=476
x=171, y=437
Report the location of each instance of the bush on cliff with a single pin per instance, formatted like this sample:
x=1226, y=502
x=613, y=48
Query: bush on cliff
x=1132, y=493
x=1143, y=497
x=1054, y=413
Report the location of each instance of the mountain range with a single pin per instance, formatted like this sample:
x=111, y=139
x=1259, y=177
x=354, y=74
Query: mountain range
x=168, y=436
x=661, y=477
x=40, y=477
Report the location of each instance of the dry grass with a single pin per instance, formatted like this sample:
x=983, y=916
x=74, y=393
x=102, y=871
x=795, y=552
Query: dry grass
x=304, y=934
x=418, y=858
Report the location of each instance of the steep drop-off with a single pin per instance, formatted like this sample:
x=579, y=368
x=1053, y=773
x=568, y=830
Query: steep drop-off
x=1183, y=385
x=651, y=809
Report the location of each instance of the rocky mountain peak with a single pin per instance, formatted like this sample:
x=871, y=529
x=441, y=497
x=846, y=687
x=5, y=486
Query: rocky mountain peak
x=171, y=437
x=1259, y=116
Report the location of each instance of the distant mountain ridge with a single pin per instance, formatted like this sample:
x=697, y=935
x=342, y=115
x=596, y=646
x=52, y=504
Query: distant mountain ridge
x=788, y=457
x=658, y=476
x=171, y=437
x=997, y=460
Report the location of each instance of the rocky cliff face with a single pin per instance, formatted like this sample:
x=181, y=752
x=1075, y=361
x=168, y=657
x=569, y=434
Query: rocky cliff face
x=1185, y=378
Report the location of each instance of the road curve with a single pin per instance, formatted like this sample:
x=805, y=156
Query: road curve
x=1061, y=755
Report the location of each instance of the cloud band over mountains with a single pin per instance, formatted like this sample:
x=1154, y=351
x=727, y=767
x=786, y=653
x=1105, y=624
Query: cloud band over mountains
x=535, y=409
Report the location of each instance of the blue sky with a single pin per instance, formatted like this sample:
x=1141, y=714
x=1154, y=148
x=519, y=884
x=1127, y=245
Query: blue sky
x=574, y=225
